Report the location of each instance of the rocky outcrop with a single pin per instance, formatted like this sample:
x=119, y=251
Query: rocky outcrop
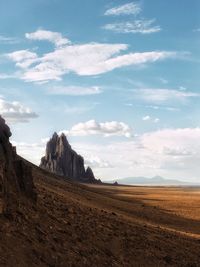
x=16, y=182
x=89, y=175
x=61, y=159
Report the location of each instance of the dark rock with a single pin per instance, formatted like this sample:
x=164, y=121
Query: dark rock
x=25, y=179
x=16, y=179
x=61, y=159
x=89, y=175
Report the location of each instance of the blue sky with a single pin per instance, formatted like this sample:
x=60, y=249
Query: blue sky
x=120, y=78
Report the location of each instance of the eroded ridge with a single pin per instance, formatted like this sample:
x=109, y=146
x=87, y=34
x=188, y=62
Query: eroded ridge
x=16, y=181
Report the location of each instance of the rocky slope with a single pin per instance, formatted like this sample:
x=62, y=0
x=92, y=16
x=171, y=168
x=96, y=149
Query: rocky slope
x=62, y=160
x=79, y=226
x=16, y=182
x=75, y=225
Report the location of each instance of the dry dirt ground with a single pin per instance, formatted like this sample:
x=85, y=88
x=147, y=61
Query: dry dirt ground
x=78, y=225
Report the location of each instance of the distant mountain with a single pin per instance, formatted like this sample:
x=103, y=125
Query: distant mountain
x=156, y=180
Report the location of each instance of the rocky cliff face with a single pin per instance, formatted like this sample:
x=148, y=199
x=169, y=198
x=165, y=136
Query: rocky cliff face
x=61, y=159
x=16, y=182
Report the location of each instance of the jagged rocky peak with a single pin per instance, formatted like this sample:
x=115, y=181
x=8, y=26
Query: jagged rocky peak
x=16, y=182
x=61, y=159
x=89, y=174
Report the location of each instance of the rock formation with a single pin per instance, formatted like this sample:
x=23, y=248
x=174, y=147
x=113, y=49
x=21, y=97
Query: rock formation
x=61, y=159
x=16, y=180
x=89, y=174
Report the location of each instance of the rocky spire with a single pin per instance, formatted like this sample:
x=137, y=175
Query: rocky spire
x=89, y=175
x=61, y=159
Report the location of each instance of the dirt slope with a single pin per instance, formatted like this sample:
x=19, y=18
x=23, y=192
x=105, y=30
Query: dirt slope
x=77, y=225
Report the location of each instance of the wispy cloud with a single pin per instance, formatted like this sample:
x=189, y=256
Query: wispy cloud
x=196, y=30
x=97, y=162
x=168, y=108
x=163, y=81
x=74, y=90
x=8, y=40
x=127, y=9
x=84, y=59
x=92, y=127
x=149, y=118
x=166, y=140
x=15, y=112
x=4, y=76
x=168, y=151
x=138, y=26
x=163, y=95
x=22, y=55
x=30, y=151
x=23, y=58
x=44, y=35
x=146, y=118
x=156, y=120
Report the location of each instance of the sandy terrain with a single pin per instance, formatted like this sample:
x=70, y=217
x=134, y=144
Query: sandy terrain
x=78, y=225
x=173, y=208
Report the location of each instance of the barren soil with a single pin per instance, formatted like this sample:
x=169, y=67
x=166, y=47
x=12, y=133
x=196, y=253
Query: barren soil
x=83, y=225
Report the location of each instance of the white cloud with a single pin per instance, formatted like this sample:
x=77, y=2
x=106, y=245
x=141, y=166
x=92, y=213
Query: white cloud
x=8, y=40
x=4, y=76
x=168, y=108
x=138, y=26
x=96, y=162
x=32, y=152
x=83, y=59
x=182, y=88
x=172, y=153
x=23, y=58
x=163, y=95
x=156, y=120
x=74, y=90
x=15, y=112
x=149, y=118
x=127, y=9
x=86, y=60
x=110, y=128
x=53, y=37
x=22, y=55
x=146, y=118
x=126, y=159
x=179, y=140
x=143, y=157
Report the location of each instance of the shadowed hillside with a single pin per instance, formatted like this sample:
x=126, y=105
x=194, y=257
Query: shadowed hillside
x=72, y=224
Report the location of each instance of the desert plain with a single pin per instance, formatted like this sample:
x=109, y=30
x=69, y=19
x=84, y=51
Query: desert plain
x=103, y=225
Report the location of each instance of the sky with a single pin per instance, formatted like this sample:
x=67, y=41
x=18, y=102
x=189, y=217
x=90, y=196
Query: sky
x=119, y=78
